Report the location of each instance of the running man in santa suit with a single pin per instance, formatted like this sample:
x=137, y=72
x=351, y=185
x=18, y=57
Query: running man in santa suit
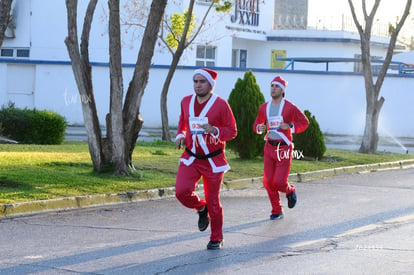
x=280, y=118
x=206, y=123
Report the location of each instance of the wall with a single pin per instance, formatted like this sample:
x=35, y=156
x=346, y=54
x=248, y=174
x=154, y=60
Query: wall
x=336, y=100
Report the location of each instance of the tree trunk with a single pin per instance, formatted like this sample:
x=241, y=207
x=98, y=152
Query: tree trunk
x=5, y=7
x=115, y=134
x=369, y=142
x=83, y=76
x=138, y=126
x=131, y=115
x=370, y=138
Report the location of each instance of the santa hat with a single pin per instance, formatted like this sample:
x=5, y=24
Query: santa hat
x=209, y=74
x=279, y=81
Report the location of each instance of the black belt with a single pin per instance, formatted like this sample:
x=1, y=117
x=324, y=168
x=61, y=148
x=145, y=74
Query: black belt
x=198, y=156
x=276, y=143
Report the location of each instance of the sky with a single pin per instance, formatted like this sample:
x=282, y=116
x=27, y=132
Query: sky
x=388, y=10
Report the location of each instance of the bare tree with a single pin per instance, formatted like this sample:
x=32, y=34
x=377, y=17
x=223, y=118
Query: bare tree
x=372, y=90
x=5, y=18
x=183, y=41
x=176, y=37
x=123, y=121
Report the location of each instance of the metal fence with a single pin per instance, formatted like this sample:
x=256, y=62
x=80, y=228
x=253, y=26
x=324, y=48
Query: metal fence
x=332, y=23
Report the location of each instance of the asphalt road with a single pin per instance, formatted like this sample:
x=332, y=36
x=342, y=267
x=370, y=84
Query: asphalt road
x=349, y=224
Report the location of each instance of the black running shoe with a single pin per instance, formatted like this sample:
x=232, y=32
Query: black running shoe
x=203, y=219
x=277, y=216
x=214, y=245
x=292, y=199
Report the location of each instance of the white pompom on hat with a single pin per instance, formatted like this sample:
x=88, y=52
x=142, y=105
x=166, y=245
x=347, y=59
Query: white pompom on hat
x=279, y=81
x=209, y=74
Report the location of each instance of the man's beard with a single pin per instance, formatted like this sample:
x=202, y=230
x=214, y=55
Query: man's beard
x=201, y=94
x=277, y=97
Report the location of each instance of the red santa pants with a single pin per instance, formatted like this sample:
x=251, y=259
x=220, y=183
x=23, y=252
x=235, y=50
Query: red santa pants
x=187, y=179
x=276, y=168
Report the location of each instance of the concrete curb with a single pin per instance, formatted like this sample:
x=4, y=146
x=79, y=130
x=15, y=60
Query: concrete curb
x=79, y=202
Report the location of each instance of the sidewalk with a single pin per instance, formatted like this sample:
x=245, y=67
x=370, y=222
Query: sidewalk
x=146, y=134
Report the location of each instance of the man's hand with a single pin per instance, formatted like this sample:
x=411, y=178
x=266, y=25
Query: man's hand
x=179, y=143
x=262, y=127
x=209, y=129
x=284, y=126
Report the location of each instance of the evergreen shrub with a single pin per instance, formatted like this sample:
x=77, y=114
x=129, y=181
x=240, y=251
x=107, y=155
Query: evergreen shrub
x=311, y=142
x=32, y=126
x=244, y=100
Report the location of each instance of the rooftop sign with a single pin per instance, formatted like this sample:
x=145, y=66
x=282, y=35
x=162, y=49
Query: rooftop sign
x=246, y=12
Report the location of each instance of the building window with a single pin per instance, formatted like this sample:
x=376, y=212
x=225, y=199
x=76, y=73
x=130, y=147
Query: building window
x=206, y=56
x=7, y=52
x=22, y=53
x=15, y=53
x=239, y=58
x=243, y=59
x=234, y=58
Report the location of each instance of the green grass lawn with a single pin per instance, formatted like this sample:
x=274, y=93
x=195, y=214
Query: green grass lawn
x=40, y=172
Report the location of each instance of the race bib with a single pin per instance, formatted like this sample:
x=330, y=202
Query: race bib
x=274, y=122
x=195, y=125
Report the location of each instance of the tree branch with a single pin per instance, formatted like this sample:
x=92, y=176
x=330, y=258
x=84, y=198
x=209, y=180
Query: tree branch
x=354, y=16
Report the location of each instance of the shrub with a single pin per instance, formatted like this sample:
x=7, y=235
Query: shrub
x=311, y=141
x=32, y=126
x=245, y=100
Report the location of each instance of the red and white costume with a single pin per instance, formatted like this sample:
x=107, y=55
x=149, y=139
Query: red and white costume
x=278, y=159
x=216, y=112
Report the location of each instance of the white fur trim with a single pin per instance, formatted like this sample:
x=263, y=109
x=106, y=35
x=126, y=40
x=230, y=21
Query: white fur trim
x=179, y=136
x=206, y=75
x=279, y=84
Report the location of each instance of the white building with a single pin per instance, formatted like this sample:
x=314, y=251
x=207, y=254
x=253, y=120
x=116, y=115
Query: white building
x=262, y=36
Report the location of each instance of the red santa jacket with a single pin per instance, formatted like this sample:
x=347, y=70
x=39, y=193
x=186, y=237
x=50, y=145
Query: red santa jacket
x=290, y=114
x=217, y=113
